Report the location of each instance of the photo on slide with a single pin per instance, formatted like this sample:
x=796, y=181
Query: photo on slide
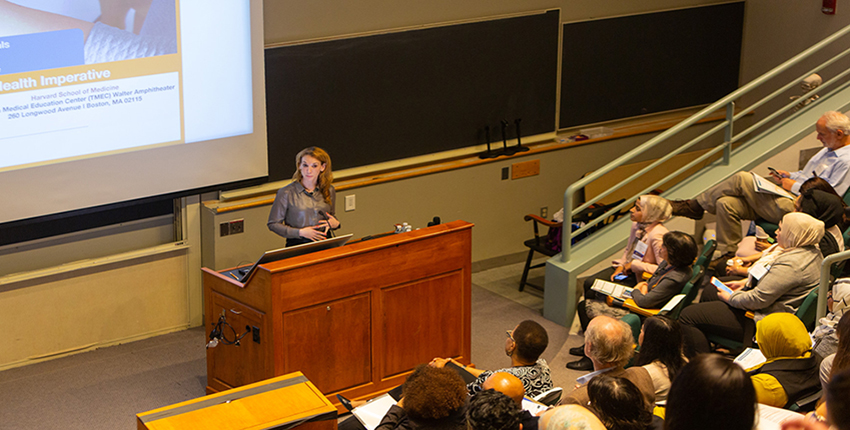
x=47, y=34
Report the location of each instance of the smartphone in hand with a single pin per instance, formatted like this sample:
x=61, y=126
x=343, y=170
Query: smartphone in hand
x=720, y=286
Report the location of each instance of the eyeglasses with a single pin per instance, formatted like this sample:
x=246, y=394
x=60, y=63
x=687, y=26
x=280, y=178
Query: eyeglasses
x=510, y=334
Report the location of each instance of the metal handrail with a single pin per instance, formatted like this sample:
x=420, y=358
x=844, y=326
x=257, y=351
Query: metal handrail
x=726, y=102
x=823, y=287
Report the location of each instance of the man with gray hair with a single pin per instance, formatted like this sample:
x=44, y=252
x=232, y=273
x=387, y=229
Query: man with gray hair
x=609, y=344
x=736, y=199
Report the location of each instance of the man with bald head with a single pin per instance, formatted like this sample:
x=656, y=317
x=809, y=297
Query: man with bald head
x=609, y=344
x=570, y=417
x=506, y=384
x=511, y=386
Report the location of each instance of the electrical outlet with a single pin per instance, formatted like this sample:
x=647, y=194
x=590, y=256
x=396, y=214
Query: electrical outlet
x=506, y=173
x=224, y=229
x=544, y=212
x=237, y=226
x=349, y=203
x=255, y=332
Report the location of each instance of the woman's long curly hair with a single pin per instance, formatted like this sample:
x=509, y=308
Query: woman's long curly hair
x=326, y=177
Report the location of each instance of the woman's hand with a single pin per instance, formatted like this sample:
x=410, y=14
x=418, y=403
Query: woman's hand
x=761, y=245
x=642, y=287
x=617, y=271
x=331, y=222
x=738, y=267
x=736, y=285
x=314, y=233
x=439, y=363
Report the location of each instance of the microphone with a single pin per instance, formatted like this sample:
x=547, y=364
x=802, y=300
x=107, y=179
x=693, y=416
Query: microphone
x=327, y=218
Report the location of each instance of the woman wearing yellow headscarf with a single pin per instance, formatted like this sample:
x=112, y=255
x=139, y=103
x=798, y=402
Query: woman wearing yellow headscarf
x=791, y=370
x=782, y=287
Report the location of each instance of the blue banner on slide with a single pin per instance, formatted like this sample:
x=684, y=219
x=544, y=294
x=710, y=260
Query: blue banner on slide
x=39, y=51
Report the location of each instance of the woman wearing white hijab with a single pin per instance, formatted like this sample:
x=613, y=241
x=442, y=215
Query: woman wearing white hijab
x=782, y=287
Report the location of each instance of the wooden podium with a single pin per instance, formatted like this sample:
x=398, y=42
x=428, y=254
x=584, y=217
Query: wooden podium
x=355, y=320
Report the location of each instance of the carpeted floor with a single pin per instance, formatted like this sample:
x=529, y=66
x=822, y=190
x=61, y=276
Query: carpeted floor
x=104, y=389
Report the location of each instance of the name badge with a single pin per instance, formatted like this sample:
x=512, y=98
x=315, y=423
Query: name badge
x=640, y=251
x=758, y=271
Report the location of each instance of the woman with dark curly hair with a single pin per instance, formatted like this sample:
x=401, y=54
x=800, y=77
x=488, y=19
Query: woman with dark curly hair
x=432, y=399
x=618, y=403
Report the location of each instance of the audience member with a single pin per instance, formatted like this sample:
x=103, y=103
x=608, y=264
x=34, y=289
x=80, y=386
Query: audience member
x=735, y=199
x=618, y=403
x=837, y=407
x=818, y=199
x=837, y=400
x=829, y=209
x=492, y=410
x=432, y=399
x=511, y=386
x=793, y=274
x=570, y=417
x=678, y=252
x=524, y=345
x=506, y=384
x=840, y=360
x=661, y=352
x=750, y=248
x=609, y=344
x=791, y=369
x=641, y=252
x=711, y=393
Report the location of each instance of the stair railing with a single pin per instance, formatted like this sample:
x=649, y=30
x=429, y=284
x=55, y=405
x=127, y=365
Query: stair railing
x=727, y=125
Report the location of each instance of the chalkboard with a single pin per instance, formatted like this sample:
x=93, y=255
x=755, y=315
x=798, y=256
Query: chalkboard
x=390, y=96
x=635, y=65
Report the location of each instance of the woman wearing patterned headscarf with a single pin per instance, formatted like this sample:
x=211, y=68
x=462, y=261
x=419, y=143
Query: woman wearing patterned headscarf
x=791, y=370
x=781, y=287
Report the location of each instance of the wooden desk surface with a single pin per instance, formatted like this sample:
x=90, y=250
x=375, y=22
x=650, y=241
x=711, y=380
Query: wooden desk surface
x=290, y=400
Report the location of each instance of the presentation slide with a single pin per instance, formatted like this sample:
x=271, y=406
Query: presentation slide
x=126, y=99
x=68, y=92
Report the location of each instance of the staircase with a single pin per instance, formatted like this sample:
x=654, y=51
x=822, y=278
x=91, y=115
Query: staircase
x=785, y=128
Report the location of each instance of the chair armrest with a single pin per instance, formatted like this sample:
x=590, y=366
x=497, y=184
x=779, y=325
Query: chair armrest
x=543, y=221
x=632, y=306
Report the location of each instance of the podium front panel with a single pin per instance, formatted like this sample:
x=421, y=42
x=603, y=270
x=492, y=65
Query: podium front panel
x=421, y=320
x=330, y=343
